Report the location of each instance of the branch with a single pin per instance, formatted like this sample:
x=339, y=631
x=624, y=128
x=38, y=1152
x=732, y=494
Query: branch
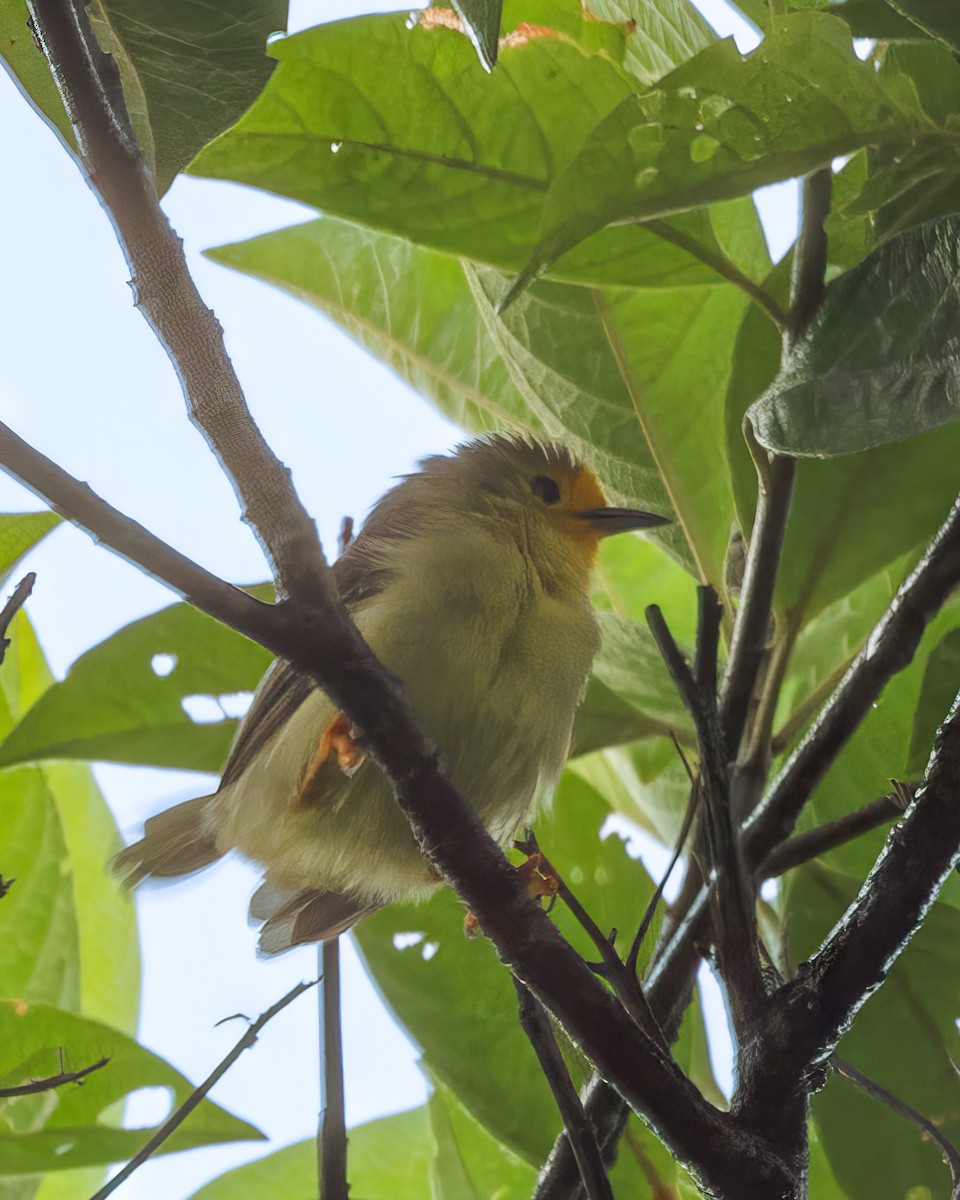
x=12, y=607
x=776, y=475
x=332, y=1135
x=312, y=630
x=889, y=649
x=166, y=295
x=731, y=891
x=581, y=1135
x=51, y=1081
x=815, y=842
x=176, y=1119
x=809, y=1014
x=948, y=1152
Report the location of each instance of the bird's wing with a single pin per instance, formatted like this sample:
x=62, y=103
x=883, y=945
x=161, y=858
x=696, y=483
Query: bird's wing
x=360, y=575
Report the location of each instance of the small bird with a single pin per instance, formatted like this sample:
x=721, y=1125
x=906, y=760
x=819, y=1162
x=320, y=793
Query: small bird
x=470, y=581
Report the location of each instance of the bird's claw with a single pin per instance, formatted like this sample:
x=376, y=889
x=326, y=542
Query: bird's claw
x=537, y=881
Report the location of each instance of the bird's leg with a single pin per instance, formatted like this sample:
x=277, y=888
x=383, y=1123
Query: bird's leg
x=339, y=741
x=538, y=882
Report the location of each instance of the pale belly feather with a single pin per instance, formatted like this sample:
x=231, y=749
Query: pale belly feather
x=494, y=675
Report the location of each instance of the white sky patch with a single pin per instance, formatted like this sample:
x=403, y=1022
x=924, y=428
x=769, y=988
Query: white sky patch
x=163, y=664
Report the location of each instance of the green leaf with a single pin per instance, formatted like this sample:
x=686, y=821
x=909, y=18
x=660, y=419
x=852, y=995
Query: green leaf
x=65, y=912
x=630, y=693
x=66, y=1129
x=39, y=951
x=607, y=377
x=905, y=1038
x=189, y=73
x=482, y=20
x=336, y=130
x=879, y=362
x=935, y=18
x=116, y=703
x=904, y=186
x=20, y=532
x=468, y=1163
x=457, y=1000
x=879, y=751
x=26, y=64
x=941, y=681
x=709, y=131
x=849, y=517
x=389, y=1159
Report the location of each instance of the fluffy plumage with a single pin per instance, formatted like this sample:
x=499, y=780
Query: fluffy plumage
x=470, y=581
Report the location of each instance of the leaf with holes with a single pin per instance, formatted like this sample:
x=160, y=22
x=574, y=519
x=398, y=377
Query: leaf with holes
x=457, y=1000
x=125, y=699
x=709, y=132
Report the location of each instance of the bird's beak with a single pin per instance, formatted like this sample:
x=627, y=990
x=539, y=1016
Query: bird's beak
x=605, y=521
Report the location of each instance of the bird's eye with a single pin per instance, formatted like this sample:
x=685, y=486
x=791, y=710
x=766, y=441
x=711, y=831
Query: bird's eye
x=546, y=488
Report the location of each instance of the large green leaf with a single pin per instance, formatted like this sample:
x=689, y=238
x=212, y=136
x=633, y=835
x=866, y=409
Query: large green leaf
x=187, y=74
x=609, y=375
x=123, y=700
x=880, y=750
x=189, y=71
x=710, y=131
x=388, y=1159
x=58, y=835
x=458, y=146
x=905, y=1038
x=850, y=516
x=880, y=361
x=457, y=1000
x=64, y=1129
x=941, y=680
x=39, y=951
x=470, y=1164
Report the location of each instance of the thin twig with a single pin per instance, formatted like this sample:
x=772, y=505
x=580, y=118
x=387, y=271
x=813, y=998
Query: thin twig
x=805, y=846
x=723, y=267
x=167, y=296
x=623, y=981
x=948, y=1151
x=583, y=1139
x=12, y=607
x=176, y=1119
x=332, y=1134
x=689, y=816
x=51, y=1081
x=889, y=649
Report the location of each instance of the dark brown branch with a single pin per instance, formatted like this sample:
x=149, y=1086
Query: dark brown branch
x=51, y=1081
x=581, y=1135
x=731, y=894
x=13, y=605
x=776, y=477
x=611, y=968
x=166, y=295
x=809, y=1014
x=948, y=1151
x=805, y=846
x=332, y=1135
x=889, y=649
x=176, y=1119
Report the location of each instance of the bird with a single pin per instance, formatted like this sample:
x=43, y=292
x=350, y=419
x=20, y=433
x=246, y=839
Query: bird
x=470, y=580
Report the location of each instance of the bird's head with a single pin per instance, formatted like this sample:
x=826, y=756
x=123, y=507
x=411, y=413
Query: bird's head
x=538, y=495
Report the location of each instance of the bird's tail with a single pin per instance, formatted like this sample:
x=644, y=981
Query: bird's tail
x=298, y=918
x=174, y=842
